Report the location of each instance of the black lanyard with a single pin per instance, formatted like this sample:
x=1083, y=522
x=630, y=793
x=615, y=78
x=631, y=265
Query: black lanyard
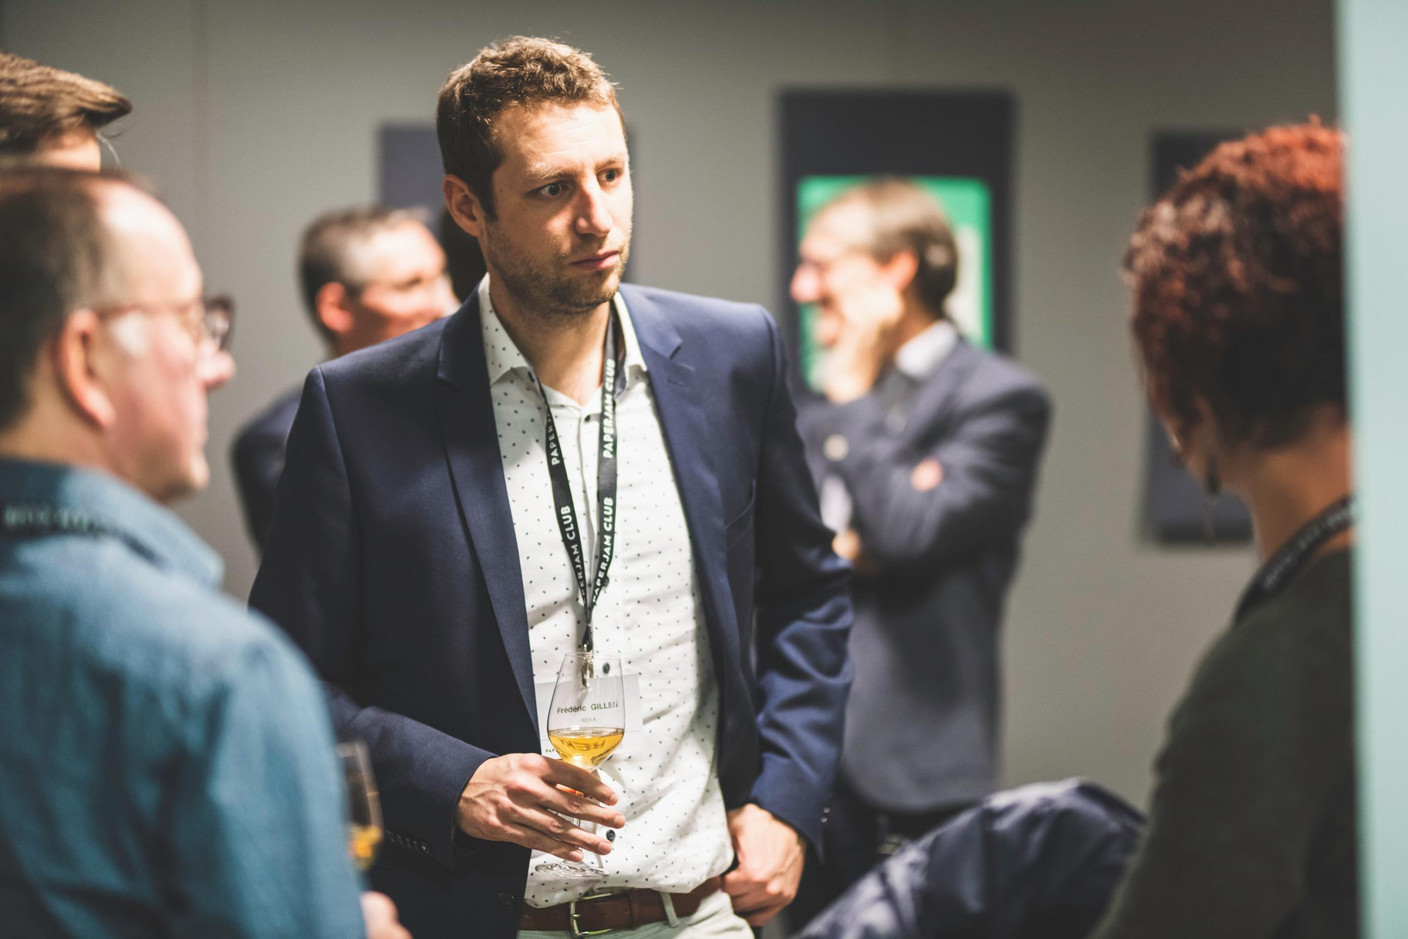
x=1291, y=556
x=605, y=489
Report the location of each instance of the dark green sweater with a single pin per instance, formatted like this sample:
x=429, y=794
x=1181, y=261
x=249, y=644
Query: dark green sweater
x=1251, y=830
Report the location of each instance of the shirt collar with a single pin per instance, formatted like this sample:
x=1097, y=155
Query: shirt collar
x=918, y=357
x=147, y=527
x=503, y=357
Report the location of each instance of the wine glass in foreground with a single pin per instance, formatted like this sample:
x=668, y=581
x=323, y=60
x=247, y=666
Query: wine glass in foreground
x=586, y=722
x=363, y=803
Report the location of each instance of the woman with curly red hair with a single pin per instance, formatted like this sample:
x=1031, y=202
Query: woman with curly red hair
x=1239, y=323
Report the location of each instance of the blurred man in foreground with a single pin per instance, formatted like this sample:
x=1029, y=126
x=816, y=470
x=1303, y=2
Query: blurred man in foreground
x=926, y=451
x=367, y=274
x=167, y=759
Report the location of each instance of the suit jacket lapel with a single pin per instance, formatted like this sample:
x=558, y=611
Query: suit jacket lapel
x=680, y=403
x=938, y=397
x=466, y=413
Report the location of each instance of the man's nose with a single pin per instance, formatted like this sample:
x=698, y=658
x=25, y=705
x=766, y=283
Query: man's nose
x=805, y=287
x=215, y=370
x=594, y=215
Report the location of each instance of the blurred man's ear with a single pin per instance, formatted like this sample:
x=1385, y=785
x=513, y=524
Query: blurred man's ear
x=333, y=303
x=463, y=205
x=899, y=270
x=84, y=362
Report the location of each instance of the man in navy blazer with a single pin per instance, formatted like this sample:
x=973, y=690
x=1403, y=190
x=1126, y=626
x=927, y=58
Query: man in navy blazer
x=366, y=273
x=396, y=556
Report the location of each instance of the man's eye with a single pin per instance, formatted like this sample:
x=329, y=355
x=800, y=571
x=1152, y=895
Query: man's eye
x=553, y=190
x=611, y=175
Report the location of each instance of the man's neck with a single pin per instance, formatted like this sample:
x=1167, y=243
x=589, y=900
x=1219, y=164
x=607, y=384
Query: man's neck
x=916, y=319
x=48, y=434
x=1287, y=487
x=565, y=351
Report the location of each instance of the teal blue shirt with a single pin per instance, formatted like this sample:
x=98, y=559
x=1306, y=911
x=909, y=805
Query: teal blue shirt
x=166, y=764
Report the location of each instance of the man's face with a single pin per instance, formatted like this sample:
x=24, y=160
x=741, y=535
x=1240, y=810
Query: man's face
x=563, y=201
x=160, y=373
x=405, y=287
x=832, y=265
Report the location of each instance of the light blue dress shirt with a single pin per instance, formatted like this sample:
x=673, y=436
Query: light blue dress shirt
x=166, y=764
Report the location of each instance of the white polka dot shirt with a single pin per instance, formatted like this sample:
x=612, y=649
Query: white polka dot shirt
x=649, y=614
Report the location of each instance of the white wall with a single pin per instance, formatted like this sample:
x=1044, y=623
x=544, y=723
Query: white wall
x=254, y=116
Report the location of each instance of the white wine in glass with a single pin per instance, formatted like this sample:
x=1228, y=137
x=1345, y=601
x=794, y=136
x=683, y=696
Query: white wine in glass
x=363, y=803
x=586, y=723
x=587, y=747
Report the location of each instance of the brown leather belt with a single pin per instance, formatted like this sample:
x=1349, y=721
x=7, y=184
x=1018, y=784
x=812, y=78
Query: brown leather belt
x=605, y=912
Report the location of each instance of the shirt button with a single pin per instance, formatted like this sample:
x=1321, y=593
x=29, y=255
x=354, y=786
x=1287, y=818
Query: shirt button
x=835, y=448
x=507, y=901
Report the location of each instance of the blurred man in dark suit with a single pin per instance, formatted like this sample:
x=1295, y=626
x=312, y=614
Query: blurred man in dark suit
x=367, y=274
x=925, y=450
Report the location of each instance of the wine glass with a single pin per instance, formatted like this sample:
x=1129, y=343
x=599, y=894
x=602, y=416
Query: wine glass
x=363, y=804
x=586, y=723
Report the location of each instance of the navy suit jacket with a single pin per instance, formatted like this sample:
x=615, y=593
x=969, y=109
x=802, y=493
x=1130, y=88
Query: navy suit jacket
x=392, y=561
x=929, y=602
x=258, y=459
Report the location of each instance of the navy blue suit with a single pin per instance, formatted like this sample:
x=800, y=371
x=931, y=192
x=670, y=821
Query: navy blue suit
x=392, y=561
x=258, y=459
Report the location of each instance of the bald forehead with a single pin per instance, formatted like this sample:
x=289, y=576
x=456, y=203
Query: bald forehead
x=154, y=252
x=129, y=212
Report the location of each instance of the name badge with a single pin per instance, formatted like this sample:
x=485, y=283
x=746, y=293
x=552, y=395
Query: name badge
x=543, y=692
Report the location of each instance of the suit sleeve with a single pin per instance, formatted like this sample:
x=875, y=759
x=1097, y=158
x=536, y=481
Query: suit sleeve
x=803, y=617
x=989, y=465
x=310, y=584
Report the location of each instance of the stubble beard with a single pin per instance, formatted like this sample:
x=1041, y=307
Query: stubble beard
x=545, y=295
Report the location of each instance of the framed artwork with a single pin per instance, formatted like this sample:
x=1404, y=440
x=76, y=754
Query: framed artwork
x=956, y=145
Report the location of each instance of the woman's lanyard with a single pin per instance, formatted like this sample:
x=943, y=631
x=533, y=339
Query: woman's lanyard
x=1291, y=556
x=605, y=489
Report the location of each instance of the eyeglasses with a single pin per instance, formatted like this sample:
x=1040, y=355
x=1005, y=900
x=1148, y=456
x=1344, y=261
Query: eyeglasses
x=208, y=319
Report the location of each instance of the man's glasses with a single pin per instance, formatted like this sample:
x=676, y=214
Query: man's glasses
x=208, y=319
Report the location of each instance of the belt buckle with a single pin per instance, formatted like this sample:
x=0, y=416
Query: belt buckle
x=572, y=914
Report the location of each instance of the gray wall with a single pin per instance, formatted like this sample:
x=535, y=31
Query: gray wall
x=254, y=116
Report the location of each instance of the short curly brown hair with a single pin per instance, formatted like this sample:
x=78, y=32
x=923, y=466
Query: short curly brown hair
x=522, y=70
x=1238, y=287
